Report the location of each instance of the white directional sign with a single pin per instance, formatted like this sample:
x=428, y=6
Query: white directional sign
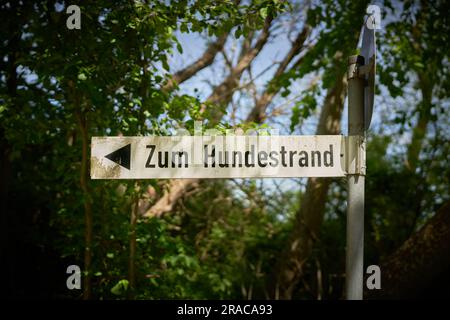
x=217, y=157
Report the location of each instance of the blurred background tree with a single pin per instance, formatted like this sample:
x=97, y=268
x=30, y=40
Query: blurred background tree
x=149, y=67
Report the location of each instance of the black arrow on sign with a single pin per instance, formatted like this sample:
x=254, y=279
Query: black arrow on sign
x=121, y=156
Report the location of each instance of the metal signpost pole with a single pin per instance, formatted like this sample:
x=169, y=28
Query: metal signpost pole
x=355, y=181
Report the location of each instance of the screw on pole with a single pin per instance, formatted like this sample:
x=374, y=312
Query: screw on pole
x=355, y=183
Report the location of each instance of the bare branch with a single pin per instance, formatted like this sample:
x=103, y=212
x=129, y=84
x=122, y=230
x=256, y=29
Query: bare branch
x=204, y=61
x=227, y=60
x=222, y=94
x=174, y=191
x=258, y=112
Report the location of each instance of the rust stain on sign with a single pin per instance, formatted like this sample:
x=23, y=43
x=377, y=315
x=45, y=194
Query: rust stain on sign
x=98, y=169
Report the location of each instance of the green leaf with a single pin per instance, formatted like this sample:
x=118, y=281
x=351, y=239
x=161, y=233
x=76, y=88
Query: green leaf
x=285, y=93
x=165, y=64
x=238, y=32
x=419, y=65
x=263, y=12
x=179, y=47
x=120, y=287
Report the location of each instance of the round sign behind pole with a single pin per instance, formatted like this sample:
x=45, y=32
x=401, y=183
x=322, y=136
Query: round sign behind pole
x=368, y=51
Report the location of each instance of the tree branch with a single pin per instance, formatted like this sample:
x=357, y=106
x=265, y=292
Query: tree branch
x=204, y=61
x=258, y=112
x=222, y=94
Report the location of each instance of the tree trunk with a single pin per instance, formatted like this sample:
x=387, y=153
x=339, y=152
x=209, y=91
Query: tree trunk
x=419, y=131
x=310, y=215
x=223, y=94
x=419, y=263
x=6, y=172
x=132, y=250
x=84, y=176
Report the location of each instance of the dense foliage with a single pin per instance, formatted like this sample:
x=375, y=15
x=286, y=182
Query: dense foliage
x=222, y=239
